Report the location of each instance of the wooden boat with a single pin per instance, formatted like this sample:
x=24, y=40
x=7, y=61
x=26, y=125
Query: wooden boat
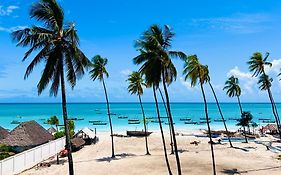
x=15, y=122
x=133, y=120
x=219, y=120
x=190, y=123
x=122, y=117
x=134, y=123
x=205, y=118
x=94, y=121
x=264, y=119
x=138, y=133
x=202, y=122
x=268, y=121
x=75, y=118
x=100, y=123
x=185, y=119
x=156, y=121
x=236, y=119
x=149, y=118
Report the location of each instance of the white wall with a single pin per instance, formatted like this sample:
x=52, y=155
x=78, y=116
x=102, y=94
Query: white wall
x=31, y=157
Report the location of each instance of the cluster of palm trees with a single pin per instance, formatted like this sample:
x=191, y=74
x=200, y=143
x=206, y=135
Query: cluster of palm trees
x=56, y=43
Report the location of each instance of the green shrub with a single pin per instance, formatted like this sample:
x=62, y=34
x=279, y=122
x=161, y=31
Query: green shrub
x=59, y=134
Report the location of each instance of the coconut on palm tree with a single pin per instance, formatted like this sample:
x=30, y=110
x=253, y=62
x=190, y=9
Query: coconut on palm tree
x=154, y=47
x=136, y=84
x=196, y=72
x=233, y=89
x=208, y=78
x=98, y=71
x=55, y=44
x=257, y=65
x=244, y=121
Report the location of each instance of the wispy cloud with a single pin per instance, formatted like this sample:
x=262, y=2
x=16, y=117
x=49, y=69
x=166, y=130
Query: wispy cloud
x=11, y=29
x=238, y=23
x=6, y=11
x=126, y=72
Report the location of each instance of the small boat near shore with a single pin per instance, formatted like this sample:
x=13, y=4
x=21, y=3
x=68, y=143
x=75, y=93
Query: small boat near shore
x=232, y=118
x=100, y=123
x=75, y=118
x=138, y=133
x=15, y=122
x=264, y=119
x=185, y=119
x=268, y=121
x=122, y=117
x=219, y=120
x=94, y=121
x=134, y=122
x=190, y=123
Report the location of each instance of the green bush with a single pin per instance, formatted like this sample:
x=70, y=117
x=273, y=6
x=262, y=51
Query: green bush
x=59, y=134
x=5, y=148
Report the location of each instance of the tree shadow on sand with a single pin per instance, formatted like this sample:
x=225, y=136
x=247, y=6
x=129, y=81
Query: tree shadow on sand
x=236, y=171
x=117, y=157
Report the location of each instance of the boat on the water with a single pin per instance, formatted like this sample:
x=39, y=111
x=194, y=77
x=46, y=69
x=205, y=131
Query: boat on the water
x=122, y=117
x=219, y=120
x=94, y=121
x=100, y=123
x=75, y=118
x=264, y=119
x=236, y=119
x=134, y=122
x=190, y=123
x=203, y=118
x=185, y=119
x=138, y=133
x=202, y=122
x=268, y=121
x=15, y=122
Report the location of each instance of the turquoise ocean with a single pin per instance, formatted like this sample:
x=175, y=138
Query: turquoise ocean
x=97, y=111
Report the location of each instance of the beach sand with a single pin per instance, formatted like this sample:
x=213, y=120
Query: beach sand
x=252, y=158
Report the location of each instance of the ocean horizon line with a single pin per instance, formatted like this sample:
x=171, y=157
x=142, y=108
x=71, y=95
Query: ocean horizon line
x=3, y=103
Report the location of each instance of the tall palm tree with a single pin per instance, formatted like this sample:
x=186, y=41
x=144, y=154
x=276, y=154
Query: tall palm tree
x=56, y=44
x=165, y=106
x=257, y=65
x=233, y=89
x=218, y=104
x=154, y=47
x=136, y=84
x=99, y=72
x=194, y=71
x=244, y=121
x=53, y=120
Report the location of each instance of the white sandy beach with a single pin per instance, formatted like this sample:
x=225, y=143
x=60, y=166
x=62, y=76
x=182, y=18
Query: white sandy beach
x=252, y=158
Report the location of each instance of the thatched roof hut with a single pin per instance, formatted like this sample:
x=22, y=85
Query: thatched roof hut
x=269, y=129
x=52, y=130
x=3, y=133
x=77, y=143
x=27, y=135
x=88, y=135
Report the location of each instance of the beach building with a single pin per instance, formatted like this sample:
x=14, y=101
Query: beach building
x=88, y=135
x=27, y=135
x=269, y=129
x=52, y=130
x=3, y=133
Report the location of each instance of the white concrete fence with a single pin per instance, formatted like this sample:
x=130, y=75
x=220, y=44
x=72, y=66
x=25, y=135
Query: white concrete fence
x=29, y=158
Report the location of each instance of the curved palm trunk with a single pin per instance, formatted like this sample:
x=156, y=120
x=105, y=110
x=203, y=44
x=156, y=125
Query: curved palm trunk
x=246, y=140
x=171, y=138
x=275, y=107
x=109, y=118
x=161, y=130
x=172, y=125
x=218, y=105
x=240, y=106
x=144, y=125
x=274, y=112
x=209, y=130
x=65, y=120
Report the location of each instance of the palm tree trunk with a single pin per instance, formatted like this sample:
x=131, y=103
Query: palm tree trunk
x=240, y=106
x=144, y=125
x=246, y=140
x=171, y=138
x=109, y=118
x=65, y=120
x=277, y=115
x=209, y=129
x=161, y=130
x=172, y=125
x=273, y=111
x=218, y=105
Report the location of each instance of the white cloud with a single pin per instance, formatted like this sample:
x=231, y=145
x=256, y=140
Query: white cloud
x=275, y=68
x=126, y=72
x=11, y=29
x=247, y=82
x=237, y=23
x=187, y=84
x=6, y=11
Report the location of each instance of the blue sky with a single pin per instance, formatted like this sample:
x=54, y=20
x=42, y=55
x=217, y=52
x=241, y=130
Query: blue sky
x=222, y=33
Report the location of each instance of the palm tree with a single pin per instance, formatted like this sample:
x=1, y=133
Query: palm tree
x=233, y=89
x=56, y=44
x=218, y=105
x=244, y=121
x=194, y=71
x=154, y=49
x=98, y=72
x=53, y=120
x=165, y=106
x=256, y=65
x=135, y=87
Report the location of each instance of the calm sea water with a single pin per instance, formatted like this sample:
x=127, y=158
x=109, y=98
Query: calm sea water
x=97, y=111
